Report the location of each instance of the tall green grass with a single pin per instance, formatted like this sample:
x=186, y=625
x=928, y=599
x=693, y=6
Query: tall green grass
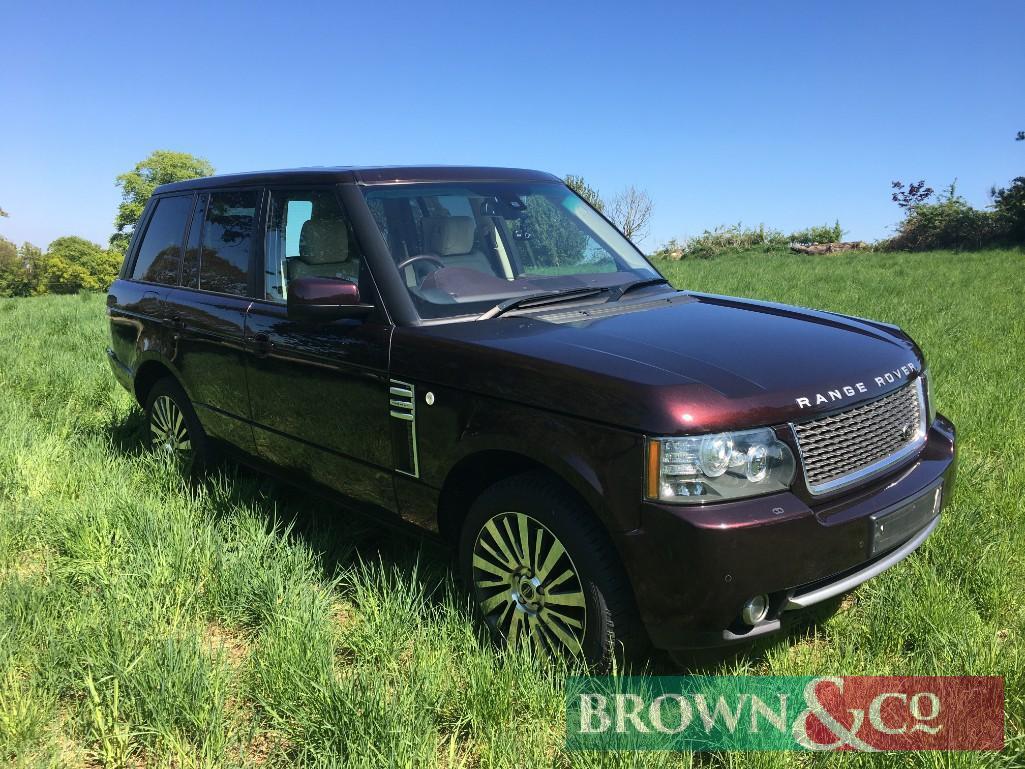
x=146, y=621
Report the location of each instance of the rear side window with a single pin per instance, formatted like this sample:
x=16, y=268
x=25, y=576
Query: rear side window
x=160, y=252
x=228, y=242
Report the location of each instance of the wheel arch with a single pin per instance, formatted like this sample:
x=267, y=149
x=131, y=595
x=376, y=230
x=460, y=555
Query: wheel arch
x=148, y=373
x=480, y=469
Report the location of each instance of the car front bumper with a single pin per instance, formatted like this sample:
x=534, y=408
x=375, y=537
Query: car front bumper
x=693, y=568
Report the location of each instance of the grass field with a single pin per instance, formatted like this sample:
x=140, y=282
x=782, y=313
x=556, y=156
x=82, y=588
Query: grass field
x=146, y=622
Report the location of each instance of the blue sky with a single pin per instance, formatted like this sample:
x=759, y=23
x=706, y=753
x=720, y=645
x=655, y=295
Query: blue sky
x=787, y=113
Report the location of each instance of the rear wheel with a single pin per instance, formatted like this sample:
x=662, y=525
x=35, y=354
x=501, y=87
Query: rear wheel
x=543, y=574
x=173, y=425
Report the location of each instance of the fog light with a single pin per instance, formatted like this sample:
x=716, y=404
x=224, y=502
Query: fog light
x=755, y=609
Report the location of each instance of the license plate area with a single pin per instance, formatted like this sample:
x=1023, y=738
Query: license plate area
x=890, y=528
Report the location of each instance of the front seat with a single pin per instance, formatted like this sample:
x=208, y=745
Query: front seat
x=323, y=252
x=452, y=239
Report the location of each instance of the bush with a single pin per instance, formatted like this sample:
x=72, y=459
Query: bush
x=736, y=237
x=949, y=223
x=825, y=233
x=725, y=238
x=72, y=264
x=1009, y=210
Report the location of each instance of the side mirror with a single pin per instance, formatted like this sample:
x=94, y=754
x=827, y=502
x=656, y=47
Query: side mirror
x=324, y=299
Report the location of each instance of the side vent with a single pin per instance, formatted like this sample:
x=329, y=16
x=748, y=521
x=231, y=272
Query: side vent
x=402, y=400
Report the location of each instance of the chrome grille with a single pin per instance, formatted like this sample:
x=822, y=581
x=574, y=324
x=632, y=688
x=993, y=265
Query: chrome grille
x=844, y=448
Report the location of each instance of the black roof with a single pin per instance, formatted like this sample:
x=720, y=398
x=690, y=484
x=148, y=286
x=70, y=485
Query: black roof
x=364, y=175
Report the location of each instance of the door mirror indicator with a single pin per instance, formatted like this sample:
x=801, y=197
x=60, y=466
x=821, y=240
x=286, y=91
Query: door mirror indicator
x=324, y=300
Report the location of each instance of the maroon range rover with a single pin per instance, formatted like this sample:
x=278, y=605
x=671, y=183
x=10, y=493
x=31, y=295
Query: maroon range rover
x=478, y=352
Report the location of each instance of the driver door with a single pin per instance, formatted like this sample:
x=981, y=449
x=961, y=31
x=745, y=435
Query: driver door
x=319, y=391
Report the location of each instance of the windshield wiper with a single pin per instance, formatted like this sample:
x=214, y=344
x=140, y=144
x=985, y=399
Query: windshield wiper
x=531, y=300
x=618, y=291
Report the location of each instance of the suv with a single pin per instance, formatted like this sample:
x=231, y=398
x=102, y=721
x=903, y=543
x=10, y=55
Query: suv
x=478, y=352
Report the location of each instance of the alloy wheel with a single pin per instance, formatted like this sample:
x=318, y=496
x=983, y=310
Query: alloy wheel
x=168, y=430
x=527, y=585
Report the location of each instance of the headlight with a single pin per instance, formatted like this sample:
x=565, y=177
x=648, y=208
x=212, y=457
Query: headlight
x=708, y=468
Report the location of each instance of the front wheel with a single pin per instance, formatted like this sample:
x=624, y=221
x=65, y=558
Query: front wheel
x=543, y=574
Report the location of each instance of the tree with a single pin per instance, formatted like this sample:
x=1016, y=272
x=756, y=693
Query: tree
x=631, y=211
x=553, y=244
x=1009, y=207
x=31, y=256
x=72, y=264
x=948, y=222
x=10, y=266
x=586, y=191
x=15, y=277
x=914, y=195
x=161, y=167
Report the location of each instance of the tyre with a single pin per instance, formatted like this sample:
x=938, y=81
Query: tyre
x=173, y=426
x=543, y=573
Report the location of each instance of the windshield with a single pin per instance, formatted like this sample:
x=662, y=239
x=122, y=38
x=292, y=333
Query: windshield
x=462, y=248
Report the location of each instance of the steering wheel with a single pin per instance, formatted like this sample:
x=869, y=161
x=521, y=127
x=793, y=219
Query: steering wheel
x=420, y=258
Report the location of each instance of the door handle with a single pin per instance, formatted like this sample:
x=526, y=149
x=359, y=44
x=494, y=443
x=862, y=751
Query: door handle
x=261, y=345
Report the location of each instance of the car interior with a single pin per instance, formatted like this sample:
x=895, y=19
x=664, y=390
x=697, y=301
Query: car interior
x=323, y=252
x=308, y=237
x=457, y=247
x=452, y=246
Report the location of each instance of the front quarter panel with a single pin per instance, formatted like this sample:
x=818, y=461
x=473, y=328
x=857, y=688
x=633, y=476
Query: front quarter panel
x=604, y=464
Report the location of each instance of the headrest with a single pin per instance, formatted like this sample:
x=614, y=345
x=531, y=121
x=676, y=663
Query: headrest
x=448, y=235
x=324, y=241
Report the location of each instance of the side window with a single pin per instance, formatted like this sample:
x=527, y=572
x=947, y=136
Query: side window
x=228, y=242
x=307, y=236
x=160, y=252
x=190, y=267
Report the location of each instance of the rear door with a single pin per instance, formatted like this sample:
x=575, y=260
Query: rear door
x=319, y=392
x=208, y=310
